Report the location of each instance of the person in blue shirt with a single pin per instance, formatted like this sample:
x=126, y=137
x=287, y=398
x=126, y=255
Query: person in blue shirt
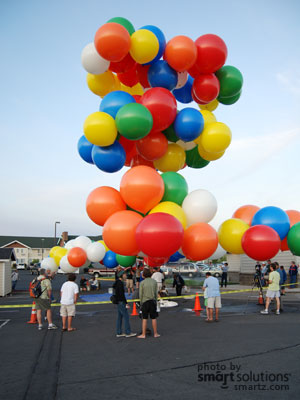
x=283, y=280
x=293, y=272
x=213, y=296
x=224, y=269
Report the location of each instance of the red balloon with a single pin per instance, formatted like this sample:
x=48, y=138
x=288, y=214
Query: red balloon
x=155, y=261
x=159, y=235
x=130, y=149
x=162, y=105
x=195, y=98
x=130, y=77
x=206, y=87
x=137, y=97
x=122, y=66
x=211, y=53
x=153, y=146
x=142, y=71
x=194, y=71
x=261, y=242
x=139, y=160
x=77, y=257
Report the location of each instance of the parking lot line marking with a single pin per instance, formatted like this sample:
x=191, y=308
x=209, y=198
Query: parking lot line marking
x=4, y=323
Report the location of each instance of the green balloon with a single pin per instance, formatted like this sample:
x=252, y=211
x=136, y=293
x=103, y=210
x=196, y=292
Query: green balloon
x=170, y=134
x=229, y=100
x=194, y=160
x=134, y=121
x=125, y=261
x=124, y=22
x=231, y=81
x=176, y=188
x=293, y=239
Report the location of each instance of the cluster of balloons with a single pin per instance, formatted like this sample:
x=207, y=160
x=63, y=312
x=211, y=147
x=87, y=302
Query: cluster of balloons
x=261, y=232
x=140, y=77
x=153, y=215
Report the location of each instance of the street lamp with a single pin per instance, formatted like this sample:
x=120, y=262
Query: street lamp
x=43, y=248
x=57, y=222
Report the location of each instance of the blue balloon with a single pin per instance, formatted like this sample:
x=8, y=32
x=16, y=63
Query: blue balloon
x=184, y=94
x=160, y=74
x=274, y=217
x=161, y=40
x=110, y=158
x=113, y=101
x=110, y=259
x=85, y=148
x=188, y=124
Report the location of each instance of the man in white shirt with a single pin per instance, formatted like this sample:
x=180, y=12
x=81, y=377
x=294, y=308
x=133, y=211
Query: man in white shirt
x=69, y=295
x=213, y=296
x=158, y=277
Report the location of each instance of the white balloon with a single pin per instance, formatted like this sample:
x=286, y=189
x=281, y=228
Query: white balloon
x=95, y=252
x=91, y=60
x=70, y=244
x=83, y=242
x=186, y=145
x=199, y=206
x=182, y=79
x=220, y=252
x=65, y=265
x=49, y=263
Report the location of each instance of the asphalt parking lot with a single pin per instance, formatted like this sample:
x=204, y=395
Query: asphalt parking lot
x=246, y=355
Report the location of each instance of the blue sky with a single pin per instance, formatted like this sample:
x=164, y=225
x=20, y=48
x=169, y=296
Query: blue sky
x=45, y=100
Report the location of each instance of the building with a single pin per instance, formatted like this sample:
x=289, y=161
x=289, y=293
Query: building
x=7, y=256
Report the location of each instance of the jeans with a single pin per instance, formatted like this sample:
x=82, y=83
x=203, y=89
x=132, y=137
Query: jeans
x=293, y=279
x=123, y=313
x=13, y=285
x=224, y=279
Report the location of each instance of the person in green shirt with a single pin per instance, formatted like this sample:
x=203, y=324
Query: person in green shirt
x=148, y=300
x=273, y=290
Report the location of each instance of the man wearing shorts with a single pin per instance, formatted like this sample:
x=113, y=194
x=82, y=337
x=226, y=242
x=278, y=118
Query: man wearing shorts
x=43, y=302
x=148, y=300
x=68, y=298
x=273, y=290
x=213, y=296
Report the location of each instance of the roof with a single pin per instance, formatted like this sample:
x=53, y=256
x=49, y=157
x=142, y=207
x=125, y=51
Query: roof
x=7, y=254
x=36, y=242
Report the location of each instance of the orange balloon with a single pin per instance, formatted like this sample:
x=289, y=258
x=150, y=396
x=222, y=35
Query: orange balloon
x=142, y=188
x=200, y=241
x=181, y=53
x=153, y=146
x=112, y=41
x=102, y=202
x=294, y=217
x=119, y=232
x=246, y=213
x=76, y=257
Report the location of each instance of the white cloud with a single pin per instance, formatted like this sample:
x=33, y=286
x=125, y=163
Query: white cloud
x=289, y=81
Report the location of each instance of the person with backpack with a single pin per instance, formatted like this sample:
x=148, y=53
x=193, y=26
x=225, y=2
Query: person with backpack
x=178, y=283
x=41, y=290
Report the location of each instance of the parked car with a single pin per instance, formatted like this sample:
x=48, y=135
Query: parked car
x=215, y=270
x=34, y=269
x=97, y=272
x=185, y=269
x=168, y=271
x=21, y=266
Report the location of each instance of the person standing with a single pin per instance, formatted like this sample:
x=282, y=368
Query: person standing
x=43, y=302
x=273, y=290
x=148, y=299
x=14, y=279
x=178, y=283
x=293, y=271
x=129, y=280
x=68, y=298
x=122, y=306
x=284, y=277
x=158, y=277
x=224, y=268
x=213, y=296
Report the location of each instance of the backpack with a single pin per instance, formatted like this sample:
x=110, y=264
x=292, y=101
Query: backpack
x=35, y=288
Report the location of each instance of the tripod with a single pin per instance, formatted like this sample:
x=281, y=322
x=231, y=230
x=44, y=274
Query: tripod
x=256, y=283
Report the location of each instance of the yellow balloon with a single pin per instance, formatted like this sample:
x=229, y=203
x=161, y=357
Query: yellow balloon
x=144, y=46
x=171, y=208
x=210, y=106
x=209, y=118
x=59, y=254
x=102, y=242
x=137, y=89
x=117, y=85
x=53, y=250
x=209, y=156
x=215, y=138
x=230, y=235
x=172, y=160
x=101, y=84
x=100, y=129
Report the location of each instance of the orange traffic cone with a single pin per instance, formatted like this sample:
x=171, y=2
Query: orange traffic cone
x=33, y=319
x=197, y=306
x=260, y=299
x=134, y=312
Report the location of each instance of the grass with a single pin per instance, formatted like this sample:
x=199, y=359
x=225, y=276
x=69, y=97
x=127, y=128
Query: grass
x=188, y=282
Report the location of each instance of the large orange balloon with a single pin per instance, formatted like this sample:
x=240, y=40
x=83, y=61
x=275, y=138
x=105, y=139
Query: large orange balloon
x=141, y=188
x=294, y=217
x=200, y=241
x=102, y=202
x=246, y=213
x=112, y=41
x=77, y=257
x=119, y=232
x=153, y=146
x=181, y=53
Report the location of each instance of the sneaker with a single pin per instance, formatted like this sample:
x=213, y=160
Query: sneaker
x=277, y=312
x=50, y=327
x=40, y=327
x=264, y=312
x=121, y=335
x=131, y=335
